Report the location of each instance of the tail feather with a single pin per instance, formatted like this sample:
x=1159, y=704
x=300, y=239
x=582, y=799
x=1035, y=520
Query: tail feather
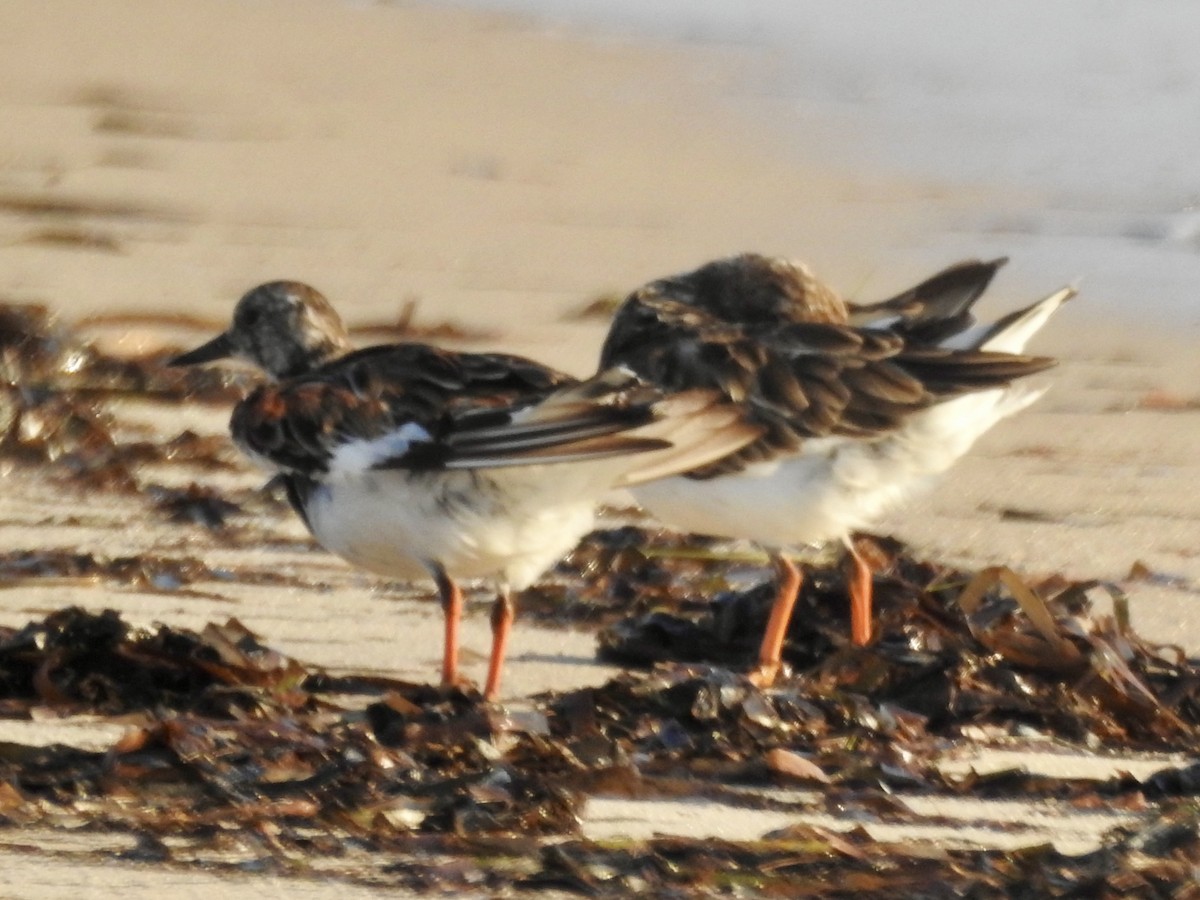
x=1012, y=332
x=934, y=309
x=946, y=373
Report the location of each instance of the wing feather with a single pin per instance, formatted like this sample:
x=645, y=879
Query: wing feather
x=798, y=379
x=418, y=408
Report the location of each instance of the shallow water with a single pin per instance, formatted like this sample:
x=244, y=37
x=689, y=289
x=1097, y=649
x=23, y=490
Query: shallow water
x=1078, y=120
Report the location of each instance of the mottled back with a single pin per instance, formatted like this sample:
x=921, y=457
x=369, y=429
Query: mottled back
x=772, y=338
x=300, y=423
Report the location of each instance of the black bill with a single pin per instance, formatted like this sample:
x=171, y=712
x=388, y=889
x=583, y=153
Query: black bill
x=218, y=348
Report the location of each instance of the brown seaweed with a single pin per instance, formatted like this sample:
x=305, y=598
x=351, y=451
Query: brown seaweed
x=53, y=386
x=237, y=736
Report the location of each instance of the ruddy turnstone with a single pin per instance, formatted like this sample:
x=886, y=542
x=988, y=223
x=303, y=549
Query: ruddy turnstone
x=857, y=403
x=414, y=462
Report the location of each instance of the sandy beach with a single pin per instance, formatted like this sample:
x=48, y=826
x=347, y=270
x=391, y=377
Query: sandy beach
x=502, y=175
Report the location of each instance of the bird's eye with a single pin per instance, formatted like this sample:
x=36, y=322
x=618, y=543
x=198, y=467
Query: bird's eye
x=359, y=379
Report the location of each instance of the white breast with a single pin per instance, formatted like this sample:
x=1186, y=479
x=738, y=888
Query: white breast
x=507, y=523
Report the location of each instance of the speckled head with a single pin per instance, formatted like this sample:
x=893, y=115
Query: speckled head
x=284, y=327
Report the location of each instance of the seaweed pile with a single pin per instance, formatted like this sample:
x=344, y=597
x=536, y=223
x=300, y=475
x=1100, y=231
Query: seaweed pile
x=53, y=388
x=231, y=738
x=238, y=756
x=954, y=648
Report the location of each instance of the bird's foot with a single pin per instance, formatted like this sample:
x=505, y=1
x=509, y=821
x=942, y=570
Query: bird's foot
x=765, y=674
x=459, y=682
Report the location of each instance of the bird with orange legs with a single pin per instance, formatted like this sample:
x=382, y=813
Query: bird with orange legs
x=857, y=404
x=419, y=463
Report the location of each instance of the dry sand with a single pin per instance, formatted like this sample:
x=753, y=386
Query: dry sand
x=165, y=157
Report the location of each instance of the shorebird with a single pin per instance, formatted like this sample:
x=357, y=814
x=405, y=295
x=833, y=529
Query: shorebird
x=858, y=404
x=414, y=462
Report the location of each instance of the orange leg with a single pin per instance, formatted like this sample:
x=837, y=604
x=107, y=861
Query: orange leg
x=503, y=613
x=770, y=653
x=452, y=606
x=860, y=599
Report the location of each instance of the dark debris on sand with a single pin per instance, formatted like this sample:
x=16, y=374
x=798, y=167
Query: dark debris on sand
x=53, y=392
x=229, y=736
x=232, y=745
x=1082, y=677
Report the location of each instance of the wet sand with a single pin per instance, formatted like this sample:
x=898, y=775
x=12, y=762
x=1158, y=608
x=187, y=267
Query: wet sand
x=166, y=159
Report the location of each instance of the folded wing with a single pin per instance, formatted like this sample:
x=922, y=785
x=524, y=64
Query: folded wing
x=422, y=409
x=799, y=380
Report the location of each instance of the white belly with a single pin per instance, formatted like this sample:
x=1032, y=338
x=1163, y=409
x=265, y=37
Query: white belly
x=510, y=524
x=804, y=499
x=835, y=485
